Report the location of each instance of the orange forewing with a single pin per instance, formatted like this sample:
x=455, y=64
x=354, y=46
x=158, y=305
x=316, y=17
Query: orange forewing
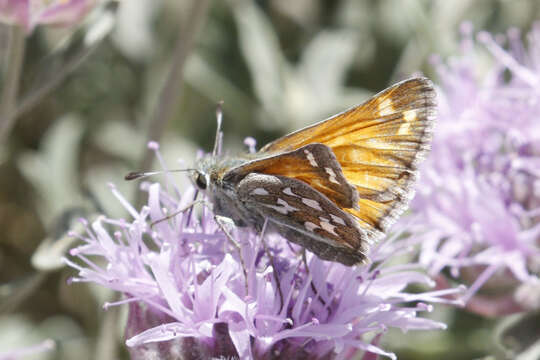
x=378, y=145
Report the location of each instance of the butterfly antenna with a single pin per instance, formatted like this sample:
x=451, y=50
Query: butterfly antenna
x=219, y=133
x=142, y=174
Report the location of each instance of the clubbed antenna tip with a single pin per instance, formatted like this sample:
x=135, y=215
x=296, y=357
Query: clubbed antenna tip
x=133, y=175
x=140, y=174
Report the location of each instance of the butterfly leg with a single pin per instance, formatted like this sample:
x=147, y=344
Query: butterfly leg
x=191, y=209
x=271, y=258
x=221, y=224
x=313, y=288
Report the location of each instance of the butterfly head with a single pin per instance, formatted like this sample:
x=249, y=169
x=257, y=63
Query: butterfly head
x=208, y=171
x=204, y=168
x=200, y=180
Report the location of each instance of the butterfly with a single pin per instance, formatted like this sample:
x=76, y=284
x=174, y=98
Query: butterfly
x=336, y=186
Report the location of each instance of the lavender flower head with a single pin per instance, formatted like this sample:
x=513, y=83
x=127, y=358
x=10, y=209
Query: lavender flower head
x=30, y=13
x=194, y=293
x=480, y=194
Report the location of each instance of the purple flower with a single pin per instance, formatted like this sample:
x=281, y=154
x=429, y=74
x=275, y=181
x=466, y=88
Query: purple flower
x=30, y=13
x=480, y=192
x=194, y=293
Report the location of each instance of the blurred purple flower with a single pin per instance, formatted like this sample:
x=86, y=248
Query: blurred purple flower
x=192, y=295
x=30, y=13
x=480, y=190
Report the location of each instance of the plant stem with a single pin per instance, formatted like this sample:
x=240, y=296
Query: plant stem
x=107, y=341
x=172, y=88
x=15, y=58
x=54, y=78
x=33, y=98
x=20, y=292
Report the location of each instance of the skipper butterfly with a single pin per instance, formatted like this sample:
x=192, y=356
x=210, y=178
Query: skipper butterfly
x=333, y=187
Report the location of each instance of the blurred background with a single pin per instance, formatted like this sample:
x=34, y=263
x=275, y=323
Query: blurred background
x=92, y=95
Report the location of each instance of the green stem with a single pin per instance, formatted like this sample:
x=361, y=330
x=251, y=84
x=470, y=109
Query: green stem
x=20, y=292
x=27, y=102
x=171, y=90
x=107, y=340
x=15, y=58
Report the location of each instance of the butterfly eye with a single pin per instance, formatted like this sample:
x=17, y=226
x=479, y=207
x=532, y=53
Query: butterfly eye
x=200, y=181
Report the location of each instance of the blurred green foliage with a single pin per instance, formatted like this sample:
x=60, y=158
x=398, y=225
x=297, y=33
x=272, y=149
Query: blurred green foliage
x=278, y=65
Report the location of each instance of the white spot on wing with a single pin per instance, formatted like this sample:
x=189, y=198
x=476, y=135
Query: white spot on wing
x=284, y=209
x=409, y=115
x=404, y=129
x=288, y=191
x=328, y=227
x=259, y=191
x=385, y=107
x=312, y=204
x=337, y=219
x=311, y=226
x=332, y=175
x=311, y=158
